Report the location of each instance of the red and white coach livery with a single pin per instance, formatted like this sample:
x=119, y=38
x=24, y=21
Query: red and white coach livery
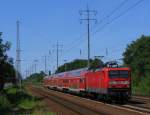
x=107, y=82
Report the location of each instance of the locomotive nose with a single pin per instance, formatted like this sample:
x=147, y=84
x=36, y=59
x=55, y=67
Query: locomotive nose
x=119, y=84
x=119, y=79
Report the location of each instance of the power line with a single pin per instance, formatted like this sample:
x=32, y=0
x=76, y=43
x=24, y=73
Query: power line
x=118, y=16
x=78, y=41
x=87, y=18
x=105, y=17
x=109, y=15
x=112, y=12
x=58, y=49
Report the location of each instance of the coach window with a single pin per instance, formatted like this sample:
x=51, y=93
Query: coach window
x=81, y=80
x=65, y=81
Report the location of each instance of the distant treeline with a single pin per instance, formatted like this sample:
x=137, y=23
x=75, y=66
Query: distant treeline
x=80, y=63
x=36, y=77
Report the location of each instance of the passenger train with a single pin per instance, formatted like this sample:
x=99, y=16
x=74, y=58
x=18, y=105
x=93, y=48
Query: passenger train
x=107, y=83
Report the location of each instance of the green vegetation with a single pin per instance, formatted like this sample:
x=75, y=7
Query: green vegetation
x=76, y=64
x=4, y=103
x=36, y=78
x=143, y=88
x=79, y=63
x=27, y=104
x=137, y=56
x=7, y=71
x=13, y=101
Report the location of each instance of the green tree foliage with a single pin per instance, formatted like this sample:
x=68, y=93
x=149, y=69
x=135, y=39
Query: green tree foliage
x=79, y=63
x=137, y=56
x=7, y=71
x=36, y=77
x=96, y=63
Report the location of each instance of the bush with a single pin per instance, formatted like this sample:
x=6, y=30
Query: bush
x=11, y=90
x=143, y=87
x=4, y=102
x=27, y=104
x=137, y=57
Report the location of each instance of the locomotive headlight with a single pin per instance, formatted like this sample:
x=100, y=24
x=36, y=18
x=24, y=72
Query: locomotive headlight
x=119, y=82
x=112, y=82
x=125, y=82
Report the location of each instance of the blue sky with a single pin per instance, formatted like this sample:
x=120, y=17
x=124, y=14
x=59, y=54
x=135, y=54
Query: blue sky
x=44, y=22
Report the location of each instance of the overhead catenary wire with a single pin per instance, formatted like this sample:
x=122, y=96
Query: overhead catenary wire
x=118, y=16
x=108, y=15
x=79, y=41
x=105, y=17
x=107, y=23
x=111, y=13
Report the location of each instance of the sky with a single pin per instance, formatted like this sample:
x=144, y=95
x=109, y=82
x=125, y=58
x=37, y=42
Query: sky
x=43, y=23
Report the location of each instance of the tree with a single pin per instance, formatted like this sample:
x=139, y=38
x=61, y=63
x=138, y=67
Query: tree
x=80, y=63
x=7, y=71
x=75, y=64
x=137, y=56
x=36, y=77
x=96, y=63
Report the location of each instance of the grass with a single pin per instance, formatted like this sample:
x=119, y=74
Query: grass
x=14, y=101
x=27, y=104
x=11, y=90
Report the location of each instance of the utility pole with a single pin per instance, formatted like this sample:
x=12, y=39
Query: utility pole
x=65, y=64
x=18, y=59
x=26, y=73
x=32, y=69
x=58, y=49
x=87, y=13
x=35, y=65
x=106, y=52
x=45, y=63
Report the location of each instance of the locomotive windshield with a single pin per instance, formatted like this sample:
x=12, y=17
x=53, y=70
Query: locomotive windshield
x=118, y=74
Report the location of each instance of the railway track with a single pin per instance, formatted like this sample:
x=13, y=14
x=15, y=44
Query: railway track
x=83, y=106
x=140, y=98
x=139, y=103
x=141, y=109
x=77, y=108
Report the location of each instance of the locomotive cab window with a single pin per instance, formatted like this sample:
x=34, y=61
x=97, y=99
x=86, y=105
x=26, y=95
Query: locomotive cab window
x=118, y=74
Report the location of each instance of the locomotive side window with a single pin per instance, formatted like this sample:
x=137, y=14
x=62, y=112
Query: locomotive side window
x=65, y=80
x=118, y=74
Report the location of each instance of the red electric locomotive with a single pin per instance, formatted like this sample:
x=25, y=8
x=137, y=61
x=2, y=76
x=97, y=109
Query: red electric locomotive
x=107, y=82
